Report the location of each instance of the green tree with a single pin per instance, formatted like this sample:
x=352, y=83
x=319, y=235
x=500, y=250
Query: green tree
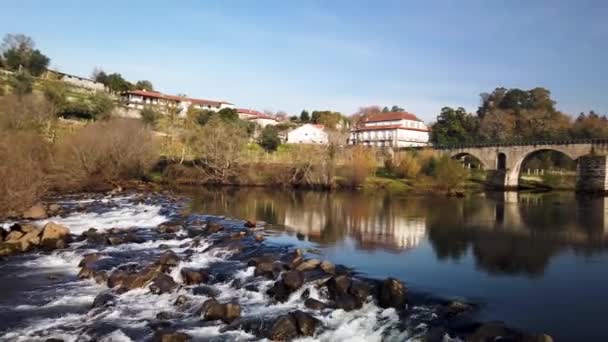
x=590, y=126
x=304, y=116
x=117, y=84
x=397, y=109
x=327, y=118
x=19, y=53
x=385, y=110
x=454, y=126
x=228, y=114
x=144, y=85
x=269, y=139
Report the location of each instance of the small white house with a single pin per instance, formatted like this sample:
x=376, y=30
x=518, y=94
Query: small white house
x=308, y=134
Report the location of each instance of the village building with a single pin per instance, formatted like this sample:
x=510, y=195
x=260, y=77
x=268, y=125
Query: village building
x=254, y=116
x=77, y=81
x=138, y=99
x=392, y=129
x=308, y=134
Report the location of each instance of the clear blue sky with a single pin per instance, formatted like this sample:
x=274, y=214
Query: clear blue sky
x=338, y=55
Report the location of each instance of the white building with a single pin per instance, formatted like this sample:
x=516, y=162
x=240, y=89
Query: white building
x=394, y=129
x=260, y=118
x=308, y=134
x=138, y=99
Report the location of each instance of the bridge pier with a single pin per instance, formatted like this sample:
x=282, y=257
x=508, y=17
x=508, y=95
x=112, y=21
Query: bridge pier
x=502, y=179
x=591, y=175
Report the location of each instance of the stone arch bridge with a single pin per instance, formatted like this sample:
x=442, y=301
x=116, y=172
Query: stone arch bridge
x=502, y=162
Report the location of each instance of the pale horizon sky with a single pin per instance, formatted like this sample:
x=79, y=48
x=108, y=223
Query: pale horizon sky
x=335, y=55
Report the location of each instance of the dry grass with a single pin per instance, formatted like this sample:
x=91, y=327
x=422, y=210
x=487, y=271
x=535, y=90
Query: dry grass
x=22, y=171
x=102, y=153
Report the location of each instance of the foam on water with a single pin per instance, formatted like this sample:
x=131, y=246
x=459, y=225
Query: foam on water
x=133, y=310
x=125, y=216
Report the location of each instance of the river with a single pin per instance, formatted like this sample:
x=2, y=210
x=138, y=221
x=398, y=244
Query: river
x=536, y=261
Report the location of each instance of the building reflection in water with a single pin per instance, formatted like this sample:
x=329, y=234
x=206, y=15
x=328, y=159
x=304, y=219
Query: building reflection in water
x=506, y=233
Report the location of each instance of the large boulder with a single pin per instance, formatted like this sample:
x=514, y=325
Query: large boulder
x=328, y=267
x=13, y=236
x=285, y=328
x=7, y=249
x=308, y=265
x=54, y=236
x=292, y=279
x=36, y=212
x=30, y=240
x=168, y=259
x=292, y=325
x=212, y=310
x=104, y=299
x=163, y=284
x=392, y=294
x=306, y=323
x=131, y=280
x=193, y=276
x=268, y=270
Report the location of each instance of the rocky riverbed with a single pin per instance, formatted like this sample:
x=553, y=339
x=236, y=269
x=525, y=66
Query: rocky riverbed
x=131, y=267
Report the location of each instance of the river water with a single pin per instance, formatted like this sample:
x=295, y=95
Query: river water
x=535, y=261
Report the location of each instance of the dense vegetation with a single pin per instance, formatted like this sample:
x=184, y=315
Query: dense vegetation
x=515, y=115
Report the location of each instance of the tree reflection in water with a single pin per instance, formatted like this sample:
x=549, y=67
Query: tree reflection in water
x=507, y=233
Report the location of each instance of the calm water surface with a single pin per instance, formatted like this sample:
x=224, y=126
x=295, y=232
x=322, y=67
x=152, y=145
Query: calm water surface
x=536, y=261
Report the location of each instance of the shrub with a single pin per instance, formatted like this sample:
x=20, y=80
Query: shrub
x=24, y=158
x=406, y=165
x=104, y=152
x=449, y=174
x=269, y=139
x=25, y=113
x=361, y=165
x=149, y=116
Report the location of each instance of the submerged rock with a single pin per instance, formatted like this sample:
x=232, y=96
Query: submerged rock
x=170, y=336
x=104, y=299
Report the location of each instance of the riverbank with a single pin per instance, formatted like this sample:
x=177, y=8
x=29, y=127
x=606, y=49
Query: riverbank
x=145, y=279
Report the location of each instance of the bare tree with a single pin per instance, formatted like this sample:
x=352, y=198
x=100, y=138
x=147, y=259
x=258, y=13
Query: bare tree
x=218, y=148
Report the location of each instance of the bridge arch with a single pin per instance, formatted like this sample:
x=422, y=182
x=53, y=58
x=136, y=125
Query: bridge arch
x=480, y=157
x=465, y=155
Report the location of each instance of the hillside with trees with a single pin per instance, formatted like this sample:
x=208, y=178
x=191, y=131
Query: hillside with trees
x=507, y=115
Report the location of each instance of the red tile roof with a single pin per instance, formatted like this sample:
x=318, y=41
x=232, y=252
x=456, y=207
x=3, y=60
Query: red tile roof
x=159, y=95
x=390, y=116
x=376, y=128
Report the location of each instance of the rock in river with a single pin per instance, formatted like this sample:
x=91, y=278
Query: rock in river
x=392, y=294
